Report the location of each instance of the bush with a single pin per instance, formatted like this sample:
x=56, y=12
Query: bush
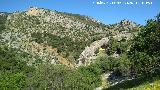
x=59, y=77
x=13, y=70
x=12, y=81
x=144, y=51
x=107, y=63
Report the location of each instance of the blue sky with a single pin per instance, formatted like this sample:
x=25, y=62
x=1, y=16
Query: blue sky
x=106, y=13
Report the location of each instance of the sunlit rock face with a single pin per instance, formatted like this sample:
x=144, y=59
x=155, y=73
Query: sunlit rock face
x=35, y=11
x=89, y=51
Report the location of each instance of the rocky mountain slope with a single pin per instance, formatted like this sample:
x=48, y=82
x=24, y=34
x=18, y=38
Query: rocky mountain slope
x=58, y=37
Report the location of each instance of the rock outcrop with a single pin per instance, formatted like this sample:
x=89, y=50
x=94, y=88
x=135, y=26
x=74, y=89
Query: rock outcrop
x=89, y=51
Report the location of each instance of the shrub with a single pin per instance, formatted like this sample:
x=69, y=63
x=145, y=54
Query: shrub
x=144, y=51
x=60, y=77
x=13, y=70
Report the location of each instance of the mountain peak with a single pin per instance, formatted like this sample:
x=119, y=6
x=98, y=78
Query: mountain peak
x=35, y=11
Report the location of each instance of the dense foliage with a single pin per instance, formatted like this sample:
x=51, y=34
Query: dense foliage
x=2, y=23
x=65, y=45
x=138, y=56
x=16, y=74
x=13, y=69
x=144, y=52
x=60, y=77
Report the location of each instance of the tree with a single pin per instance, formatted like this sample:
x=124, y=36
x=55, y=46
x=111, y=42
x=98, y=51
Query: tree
x=158, y=17
x=48, y=76
x=145, y=49
x=13, y=70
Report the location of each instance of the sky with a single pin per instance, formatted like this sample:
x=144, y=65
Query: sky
x=103, y=10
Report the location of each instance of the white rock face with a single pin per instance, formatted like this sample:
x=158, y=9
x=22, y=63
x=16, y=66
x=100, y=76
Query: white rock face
x=99, y=88
x=62, y=19
x=35, y=11
x=90, y=50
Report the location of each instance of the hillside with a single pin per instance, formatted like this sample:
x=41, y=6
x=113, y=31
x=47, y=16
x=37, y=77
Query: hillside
x=52, y=34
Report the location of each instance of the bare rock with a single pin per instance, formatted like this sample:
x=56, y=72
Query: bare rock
x=90, y=50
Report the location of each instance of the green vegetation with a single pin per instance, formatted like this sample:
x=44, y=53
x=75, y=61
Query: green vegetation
x=16, y=74
x=23, y=65
x=60, y=77
x=118, y=46
x=140, y=60
x=144, y=51
x=151, y=84
x=13, y=69
x=64, y=45
x=141, y=83
x=69, y=41
x=2, y=22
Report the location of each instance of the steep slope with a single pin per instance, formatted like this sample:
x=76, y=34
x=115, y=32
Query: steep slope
x=55, y=37
x=35, y=30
